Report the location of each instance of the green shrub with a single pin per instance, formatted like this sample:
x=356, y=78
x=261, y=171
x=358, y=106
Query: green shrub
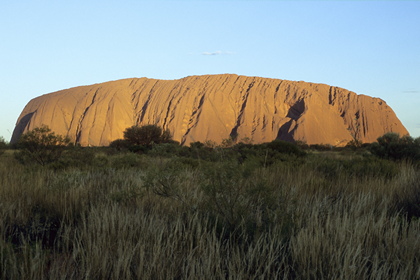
x=120, y=145
x=3, y=145
x=41, y=146
x=392, y=146
x=268, y=153
x=245, y=151
x=285, y=148
x=138, y=149
x=80, y=157
x=146, y=135
x=302, y=144
x=100, y=160
x=128, y=160
x=205, y=151
x=166, y=150
x=197, y=145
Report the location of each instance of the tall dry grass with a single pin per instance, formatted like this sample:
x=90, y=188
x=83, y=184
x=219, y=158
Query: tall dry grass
x=161, y=219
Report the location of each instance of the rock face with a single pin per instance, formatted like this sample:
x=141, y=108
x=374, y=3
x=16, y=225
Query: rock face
x=212, y=107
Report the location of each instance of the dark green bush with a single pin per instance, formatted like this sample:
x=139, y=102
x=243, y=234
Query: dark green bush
x=285, y=148
x=100, y=160
x=128, y=160
x=120, y=145
x=302, y=144
x=138, y=149
x=197, y=145
x=146, y=135
x=41, y=146
x=201, y=151
x=3, y=145
x=245, y=151
x=392, y=146
x=268, y=153
x=167, y=150
x=75, y=157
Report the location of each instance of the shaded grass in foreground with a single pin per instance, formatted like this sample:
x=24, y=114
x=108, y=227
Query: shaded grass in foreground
x=157, y=218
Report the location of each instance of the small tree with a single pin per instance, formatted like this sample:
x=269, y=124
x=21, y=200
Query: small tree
x=41, y=146
x=147, y=135
x=392, y=146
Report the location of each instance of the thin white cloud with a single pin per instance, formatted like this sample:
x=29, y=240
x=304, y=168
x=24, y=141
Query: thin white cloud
x=411, y=91
x=217, y=53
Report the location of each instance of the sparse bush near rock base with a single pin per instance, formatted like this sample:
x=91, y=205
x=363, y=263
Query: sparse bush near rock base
x=392, y=146
x=146, y=135
x=41, y=146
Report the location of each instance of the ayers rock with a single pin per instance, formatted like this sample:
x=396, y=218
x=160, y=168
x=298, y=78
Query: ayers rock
x=212, y=107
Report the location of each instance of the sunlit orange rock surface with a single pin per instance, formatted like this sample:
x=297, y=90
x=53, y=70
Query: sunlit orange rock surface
x=212, y=107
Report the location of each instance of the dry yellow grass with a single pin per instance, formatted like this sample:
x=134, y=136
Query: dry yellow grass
x=158, y=222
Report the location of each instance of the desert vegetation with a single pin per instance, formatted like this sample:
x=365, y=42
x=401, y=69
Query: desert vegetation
x=41, y=146
x=240, y=211
x=138, y=138
x=3, y=145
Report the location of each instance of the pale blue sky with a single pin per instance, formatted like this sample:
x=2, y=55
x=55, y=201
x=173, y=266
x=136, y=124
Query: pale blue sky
x=369, y=47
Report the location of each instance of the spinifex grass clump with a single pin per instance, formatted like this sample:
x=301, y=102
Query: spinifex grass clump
x=130, y=216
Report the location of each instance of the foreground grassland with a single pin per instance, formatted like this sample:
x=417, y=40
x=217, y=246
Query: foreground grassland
x=325, y=215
